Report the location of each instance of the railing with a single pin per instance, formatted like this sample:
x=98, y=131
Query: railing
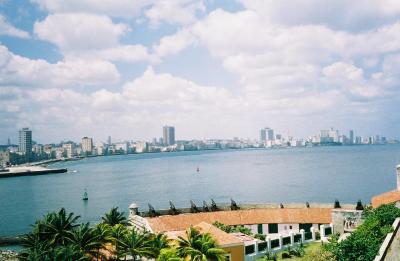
x=258, y=249
x=286, y=241
x=275, y=243
x=297, y=238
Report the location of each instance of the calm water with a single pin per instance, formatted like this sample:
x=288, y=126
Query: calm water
x=252, y=176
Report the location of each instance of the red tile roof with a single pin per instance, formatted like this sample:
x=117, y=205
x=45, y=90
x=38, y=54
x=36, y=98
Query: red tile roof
x=242, y=217
x=386, y=198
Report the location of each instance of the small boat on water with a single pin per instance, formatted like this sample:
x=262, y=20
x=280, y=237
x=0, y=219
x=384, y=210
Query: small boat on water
x=85, y=196
x=198, y=169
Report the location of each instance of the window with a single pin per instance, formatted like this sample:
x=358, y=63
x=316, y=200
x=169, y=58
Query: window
x=306, y=227
x=272, y=228
x=290, y=227
x=259, y=228
x=228, y=257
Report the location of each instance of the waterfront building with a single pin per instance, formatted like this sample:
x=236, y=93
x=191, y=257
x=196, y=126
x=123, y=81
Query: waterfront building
x=87, y=145
x=122, y=147
x=25, y=142
x=169, y=135
x=351, y=137
x=266, y=134
x=109, y=140
x=280, y=225
x=270, y=133
x=141, y=147
x=328, y=136
x=60, y=153
x=263, y=135
x=69, y=150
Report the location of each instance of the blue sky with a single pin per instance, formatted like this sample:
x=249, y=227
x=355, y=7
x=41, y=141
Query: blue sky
x=214, y=69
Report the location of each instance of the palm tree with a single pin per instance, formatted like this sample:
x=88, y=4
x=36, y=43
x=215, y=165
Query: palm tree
x=114, y=217
x=159, y=242
x=86, y=239
x=104, y=236
x=57, y=227
x=169, y=254
x=137, y=244
x=118, y=232
x=199, y=247
x=35, y=249
x=68, y=252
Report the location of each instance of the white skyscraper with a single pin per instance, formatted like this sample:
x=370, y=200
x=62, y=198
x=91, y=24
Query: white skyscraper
x=87, y=145
x=25, y=142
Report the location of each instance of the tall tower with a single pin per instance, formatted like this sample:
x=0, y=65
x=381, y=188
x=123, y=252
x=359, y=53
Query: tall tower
x=25, y=142
x=169, y=135
x=398, y=177
x=351, y=137
x=263, y=135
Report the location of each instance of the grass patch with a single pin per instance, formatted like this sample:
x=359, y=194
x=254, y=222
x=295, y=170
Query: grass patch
x=311, y=251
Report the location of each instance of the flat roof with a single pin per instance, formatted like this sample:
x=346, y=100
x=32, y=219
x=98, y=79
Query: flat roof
x=242, y=217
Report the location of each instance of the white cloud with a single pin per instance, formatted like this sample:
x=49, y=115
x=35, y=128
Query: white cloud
x=8, y=29
x=73, y=32
x=157, y=11
x=173, y=44
x=337, y=14
x=120, y=8
x=18, y=70
x=175, y=11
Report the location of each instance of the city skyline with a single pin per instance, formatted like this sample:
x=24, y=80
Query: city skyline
x=167, y=137
x=212, y=69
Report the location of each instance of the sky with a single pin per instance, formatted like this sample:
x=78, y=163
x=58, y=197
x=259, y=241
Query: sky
x=211, y=68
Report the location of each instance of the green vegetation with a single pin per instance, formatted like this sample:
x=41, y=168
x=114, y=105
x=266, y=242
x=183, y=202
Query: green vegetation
x=365, y=241
x=233, y=229
x=114, y=217
x=58, y=236
x=309, y=252
x=199, y=247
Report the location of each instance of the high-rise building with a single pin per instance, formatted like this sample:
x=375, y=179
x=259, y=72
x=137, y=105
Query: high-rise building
x=8, y=141
x=25, y=142
x=263, y=135
x=329, y=136
x=351, y=137
x=270, y=133
x=266, y=134
x=87, y=145
x=169, y=135
x=109, y=140
x=69, y=150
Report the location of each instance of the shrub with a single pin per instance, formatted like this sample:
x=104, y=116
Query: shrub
x=365, y=241
x=269, y=255
x=260, y=236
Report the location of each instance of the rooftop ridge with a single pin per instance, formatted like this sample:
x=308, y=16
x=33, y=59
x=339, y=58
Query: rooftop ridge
x=246, y=206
